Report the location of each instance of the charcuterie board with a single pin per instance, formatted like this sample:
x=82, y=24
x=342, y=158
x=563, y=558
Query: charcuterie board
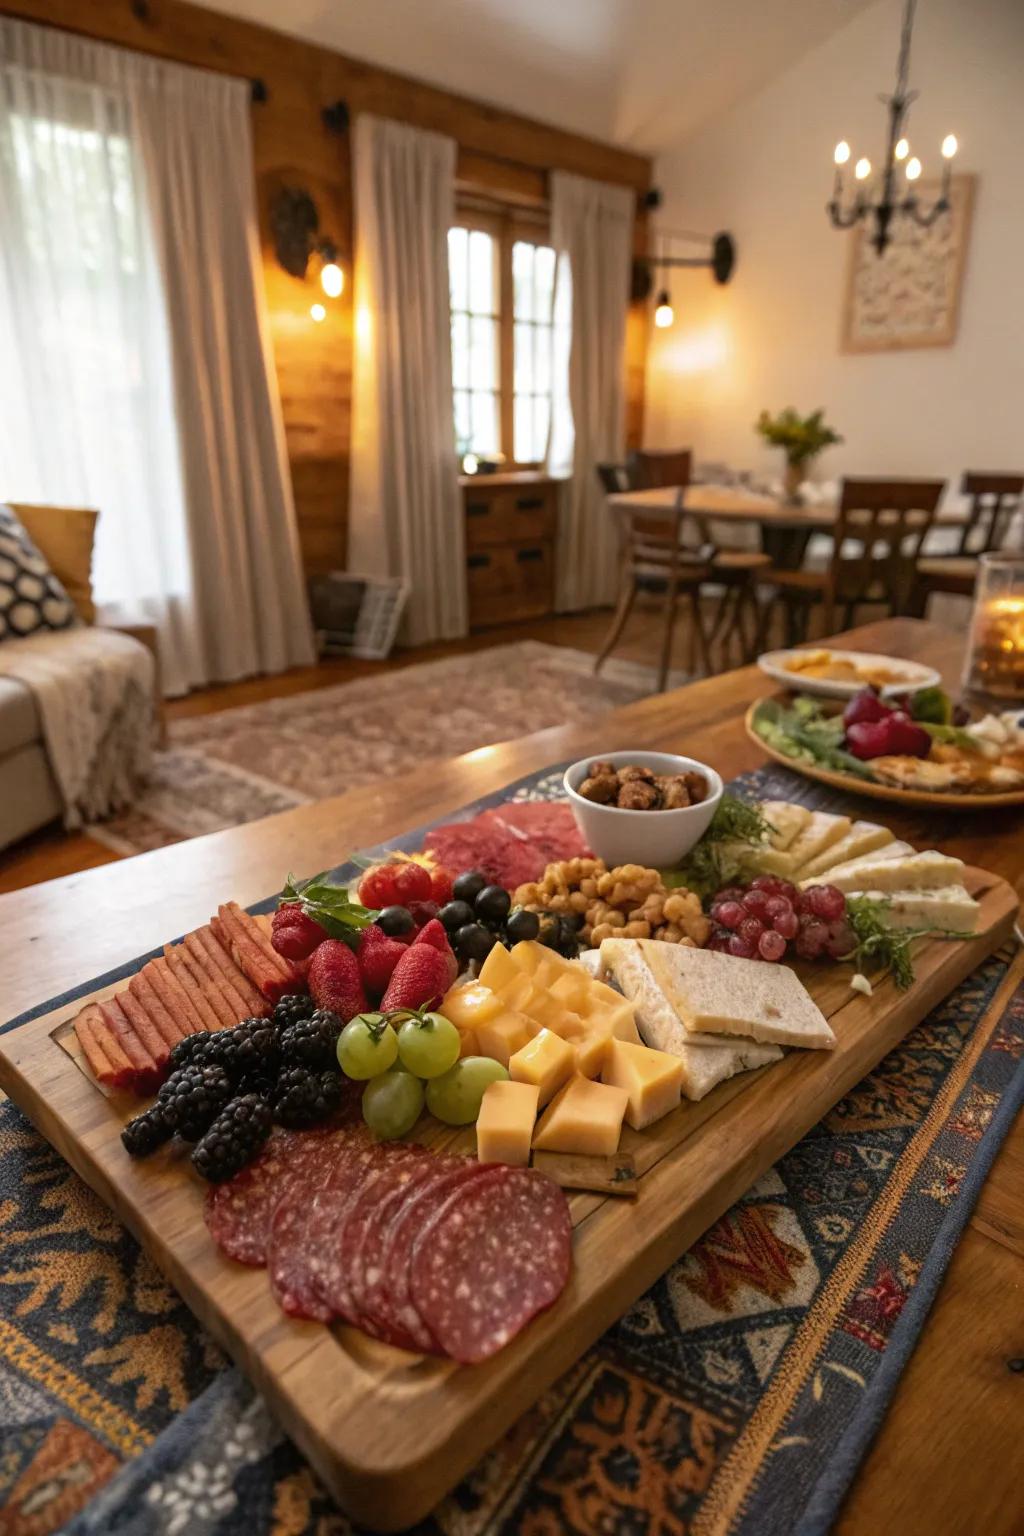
x=390, y=1432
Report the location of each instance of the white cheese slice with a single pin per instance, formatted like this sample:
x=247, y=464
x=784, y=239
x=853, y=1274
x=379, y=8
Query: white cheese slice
x=913, y=872
x=820, y=834
x=948, y=907
x=787, y=819
x=863, y=837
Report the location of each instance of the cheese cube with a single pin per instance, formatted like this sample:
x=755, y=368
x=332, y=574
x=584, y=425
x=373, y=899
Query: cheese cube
x=498, y=969
x=545, y=1061
x=572, y=991
x=468, y=1043
x=592, y=1051
x=500, y=1038
x=518, y=993
x=652, y=1079
x=504, y=1126
x=471, y=1004
x=583, y=1117
x=619, y=1017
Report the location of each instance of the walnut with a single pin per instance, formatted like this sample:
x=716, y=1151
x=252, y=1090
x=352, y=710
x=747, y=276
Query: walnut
x=602, y=788
x=697, y=784
x=675, y=794
x=633, y=773
x=601, y=770
x=638, y=795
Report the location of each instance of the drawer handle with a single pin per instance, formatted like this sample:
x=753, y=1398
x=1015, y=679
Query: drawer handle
x=529, y=503
x=477, y=508
x=474, y=562
x=523, y=555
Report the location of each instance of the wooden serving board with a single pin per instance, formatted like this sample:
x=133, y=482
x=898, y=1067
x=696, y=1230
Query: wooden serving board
x=388, y=1432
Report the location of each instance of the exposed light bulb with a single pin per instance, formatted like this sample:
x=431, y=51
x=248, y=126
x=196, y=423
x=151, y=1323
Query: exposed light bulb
x=332, y=279
x=862, y=170
x=913, y=168
x=470, y=463
x=842, y=152
x=949, y=146
x=317, y=312
x=902, y=149
x=663, y=314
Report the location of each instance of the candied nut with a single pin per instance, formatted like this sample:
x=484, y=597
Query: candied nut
x=632, y=772
x=601, y=789
x=697, y=785
x=675, y=793
x=638, y=795
x=600, y=769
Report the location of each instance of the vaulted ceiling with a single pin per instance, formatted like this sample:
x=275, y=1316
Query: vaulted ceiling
x=641, y=73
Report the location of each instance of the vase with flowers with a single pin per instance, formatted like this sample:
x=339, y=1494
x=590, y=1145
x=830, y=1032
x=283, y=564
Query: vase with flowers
x=801, y=438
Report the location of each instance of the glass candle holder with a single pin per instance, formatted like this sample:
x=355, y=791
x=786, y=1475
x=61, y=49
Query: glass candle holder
x=995, y=654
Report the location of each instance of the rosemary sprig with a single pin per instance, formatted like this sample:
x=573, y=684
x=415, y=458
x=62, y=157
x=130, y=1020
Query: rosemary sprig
x=883, y=947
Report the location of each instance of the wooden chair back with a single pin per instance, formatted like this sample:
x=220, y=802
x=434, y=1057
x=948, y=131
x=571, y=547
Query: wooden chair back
x=880, y=528
x=994, y=499
x=652, y=471
x=673, y=541
x=614, y=478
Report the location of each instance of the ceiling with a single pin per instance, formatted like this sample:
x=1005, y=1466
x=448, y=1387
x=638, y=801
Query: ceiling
x=644, y=74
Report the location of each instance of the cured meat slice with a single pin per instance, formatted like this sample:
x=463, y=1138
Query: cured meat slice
x=174, y=954
x=148, y=1071
x=502, y=855
x=366, y=1266
x=142, y=988
x=217, y=962
x=337, y=1281
x=173, y=996
x=548, y=826
x=388, y=1297
x=238, y=1213
x=292, y=1277
x=107, y=1061
x=328, y=1212
x=495, y=1254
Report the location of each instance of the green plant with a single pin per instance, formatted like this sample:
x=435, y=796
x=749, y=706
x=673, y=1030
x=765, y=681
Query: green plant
x=801, y=437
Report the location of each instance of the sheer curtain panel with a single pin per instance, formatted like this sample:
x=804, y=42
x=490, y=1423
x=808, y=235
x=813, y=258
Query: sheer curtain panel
x=592, y=233
x=136, y=372
x=406, y=511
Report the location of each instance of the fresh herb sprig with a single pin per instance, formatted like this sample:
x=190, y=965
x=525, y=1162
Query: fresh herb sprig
x=328, y=904
x=736, y=828
x=804, y=732
x=884, y=948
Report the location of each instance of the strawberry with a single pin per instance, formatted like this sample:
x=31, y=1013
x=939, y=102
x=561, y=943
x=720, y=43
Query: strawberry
x=293, y=933
x=412, y=883
x=377, y=887
x=433, y=933
x=334, y=980
x=440, y=885
x=377, y=955
x=420, y=980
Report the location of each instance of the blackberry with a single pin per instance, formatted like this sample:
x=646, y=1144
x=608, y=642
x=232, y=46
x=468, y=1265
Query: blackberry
x=147, y=1131
x=305, y=1098
x=234, y=1138
x=192, y=1097
x=191, y=1051
x=297, y=1005
x=312, y=1042
x=248, y=1048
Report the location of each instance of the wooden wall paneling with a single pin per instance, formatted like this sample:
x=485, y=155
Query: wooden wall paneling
x=501, y=154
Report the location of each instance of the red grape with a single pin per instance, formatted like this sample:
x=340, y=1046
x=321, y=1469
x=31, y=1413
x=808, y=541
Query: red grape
x=771, y=945
x=739, y=946
x=842, y=939
x=756, y=903
x=777, y=905
x=826, y=902
x=728, y=913
x=751, y=929
x=811, y=940
x=767, y=883
x=730, y=893
x=787, y=923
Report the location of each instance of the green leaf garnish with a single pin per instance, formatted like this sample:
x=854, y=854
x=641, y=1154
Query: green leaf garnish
x=737, y=828
x=328, y=904
x=879, y=946
x=804, y=732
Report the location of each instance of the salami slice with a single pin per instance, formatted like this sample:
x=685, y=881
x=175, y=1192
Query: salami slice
x=366, y=1271
x=292, y=1276
x=328, y=1212
x=337, y=1284
x=238, y=1212
x=495, y=1254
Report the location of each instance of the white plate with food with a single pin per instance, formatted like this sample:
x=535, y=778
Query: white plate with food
x=841, y=674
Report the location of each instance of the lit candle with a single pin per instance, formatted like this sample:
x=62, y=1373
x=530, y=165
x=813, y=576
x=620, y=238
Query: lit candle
x=997, y=661
x=949, y=149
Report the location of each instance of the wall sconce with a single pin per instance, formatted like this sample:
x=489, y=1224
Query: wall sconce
x=721, y=260
x=295, y=226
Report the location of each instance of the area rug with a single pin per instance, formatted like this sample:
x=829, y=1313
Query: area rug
x=242, y=764
x=735, y=1398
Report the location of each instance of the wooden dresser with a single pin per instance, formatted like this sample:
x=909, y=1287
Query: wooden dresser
x=510, y=545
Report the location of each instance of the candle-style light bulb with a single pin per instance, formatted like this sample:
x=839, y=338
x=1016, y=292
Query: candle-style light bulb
x=332, y=279
x=902, y=149
x=317, y=312
x=949, y=146
x=913, y=168
x=664, y=314
x=862, y=170
x=842, y=152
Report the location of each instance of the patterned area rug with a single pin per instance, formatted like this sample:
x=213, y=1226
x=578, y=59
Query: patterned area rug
x=735, y=1398
x=242, y=764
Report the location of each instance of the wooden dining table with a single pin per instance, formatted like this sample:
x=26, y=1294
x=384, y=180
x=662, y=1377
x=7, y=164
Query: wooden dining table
x=947, y=1457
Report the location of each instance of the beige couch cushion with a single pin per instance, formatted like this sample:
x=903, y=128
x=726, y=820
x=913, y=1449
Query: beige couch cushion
x=65, y=536
x=19, y=718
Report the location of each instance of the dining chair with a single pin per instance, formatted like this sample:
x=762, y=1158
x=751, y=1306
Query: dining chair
x=655, y=557
x=614, y=478
x=876, y=542
x=651, y=469
x=994, y=500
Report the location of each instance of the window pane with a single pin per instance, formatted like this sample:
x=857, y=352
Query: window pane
x=484, y=357
x=541, y=421
x=482, y=287
x=522, y=279
x=458, y=277
x=460, y=351
x=542, y=357
x=543, y=281
x=463, y=422
x=523, y=429
x=485, y=423
x=523, y=342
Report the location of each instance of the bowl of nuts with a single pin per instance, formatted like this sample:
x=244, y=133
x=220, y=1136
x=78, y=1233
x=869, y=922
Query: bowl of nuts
x=642, y=807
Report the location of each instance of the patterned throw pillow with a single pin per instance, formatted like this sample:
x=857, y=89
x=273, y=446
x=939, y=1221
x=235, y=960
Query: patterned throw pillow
x=31, y=597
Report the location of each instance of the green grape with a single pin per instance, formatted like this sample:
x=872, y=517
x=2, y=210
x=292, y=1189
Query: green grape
x=392, y=1103
x=455, y=1096
x=367, y=1046
x=428, y=1045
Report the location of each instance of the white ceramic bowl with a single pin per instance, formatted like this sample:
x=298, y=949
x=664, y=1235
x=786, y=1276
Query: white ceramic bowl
x=656, y=839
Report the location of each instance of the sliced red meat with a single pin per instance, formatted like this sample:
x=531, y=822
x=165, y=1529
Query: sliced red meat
x=327, y=1215
x=389, y=1297
x=290, y=1250
x=499, y=853
x=368, y=1258
x=338, y=1281
x=548, y=826
x=496, y=1253
x=238, y=1213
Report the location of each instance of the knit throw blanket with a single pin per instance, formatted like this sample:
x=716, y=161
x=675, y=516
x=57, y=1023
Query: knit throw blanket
x=94, y=692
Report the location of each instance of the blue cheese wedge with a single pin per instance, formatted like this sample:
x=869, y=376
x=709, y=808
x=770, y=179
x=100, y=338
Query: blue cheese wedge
x=948, y=908
x=786, y=819
x=863, y=837
x=912, y=872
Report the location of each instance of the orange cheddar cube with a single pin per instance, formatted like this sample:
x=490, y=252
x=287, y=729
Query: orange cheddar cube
x=584, y=1117
x=546, y=1061
x=500, y=1038
x=471, y=1004
x=498, y=969
x=591, y=1049
x=504, y=1126
x=652, y=1079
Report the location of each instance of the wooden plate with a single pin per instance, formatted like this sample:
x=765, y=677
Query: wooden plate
x=851, y=785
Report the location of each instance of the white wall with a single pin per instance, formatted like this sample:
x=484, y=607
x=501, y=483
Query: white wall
x=771, y=338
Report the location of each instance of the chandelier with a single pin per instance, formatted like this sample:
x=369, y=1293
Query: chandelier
x=882, y=200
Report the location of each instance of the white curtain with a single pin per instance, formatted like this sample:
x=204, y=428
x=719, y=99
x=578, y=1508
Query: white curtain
x=136, y=371
x=592, y=233
x=406, y=512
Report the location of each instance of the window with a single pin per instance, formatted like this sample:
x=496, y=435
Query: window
x=501, y=279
